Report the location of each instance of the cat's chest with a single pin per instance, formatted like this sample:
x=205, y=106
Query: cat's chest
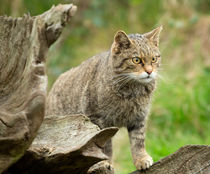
x=118, y=111
x=119, y=107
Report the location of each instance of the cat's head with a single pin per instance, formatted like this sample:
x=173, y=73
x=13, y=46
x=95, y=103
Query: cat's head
x=136, y=55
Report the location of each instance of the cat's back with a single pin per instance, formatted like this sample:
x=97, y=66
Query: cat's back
x=67, y=91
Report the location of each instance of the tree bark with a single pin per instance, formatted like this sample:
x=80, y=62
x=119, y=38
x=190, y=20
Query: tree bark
x=190, y=159
x=24, y=43
x=64, y=144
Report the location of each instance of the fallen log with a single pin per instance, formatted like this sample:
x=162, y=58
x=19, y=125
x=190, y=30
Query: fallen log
x=64, y=144
x=24, y=43
x=190, y=159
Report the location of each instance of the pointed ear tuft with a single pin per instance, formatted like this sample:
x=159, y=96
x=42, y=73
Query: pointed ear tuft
x=154, y=35
x=121, y=41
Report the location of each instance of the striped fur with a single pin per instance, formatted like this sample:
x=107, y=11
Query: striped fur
x=112, y=90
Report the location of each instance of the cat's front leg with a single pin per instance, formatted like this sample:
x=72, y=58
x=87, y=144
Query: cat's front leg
x=141, y=159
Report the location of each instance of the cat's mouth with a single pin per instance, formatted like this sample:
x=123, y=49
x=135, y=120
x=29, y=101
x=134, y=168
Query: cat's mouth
x=145, y=79
x=148, y=77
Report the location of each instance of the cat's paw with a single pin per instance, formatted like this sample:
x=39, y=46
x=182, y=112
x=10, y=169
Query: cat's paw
x=144, y=162
x=101, y=168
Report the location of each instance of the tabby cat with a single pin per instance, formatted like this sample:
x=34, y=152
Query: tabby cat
x=114, y=88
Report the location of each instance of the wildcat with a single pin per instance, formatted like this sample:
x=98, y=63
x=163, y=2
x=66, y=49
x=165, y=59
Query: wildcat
x=113, y=88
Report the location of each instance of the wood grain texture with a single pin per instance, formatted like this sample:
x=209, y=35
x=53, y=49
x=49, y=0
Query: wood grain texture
x=64, y=144
x=24, y=43
x=190, y=159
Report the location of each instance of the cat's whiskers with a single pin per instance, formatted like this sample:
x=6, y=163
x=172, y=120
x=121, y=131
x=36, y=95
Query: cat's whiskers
x=120, y=80
x=160, y=76
x=124, y=83
x=164, y=79
x=163, y=65
x=118, y=75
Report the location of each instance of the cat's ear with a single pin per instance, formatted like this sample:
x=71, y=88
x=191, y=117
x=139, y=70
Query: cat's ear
x=154, y=35
x=121, y=41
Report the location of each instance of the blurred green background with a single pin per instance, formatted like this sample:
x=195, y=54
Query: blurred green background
x=180, y=111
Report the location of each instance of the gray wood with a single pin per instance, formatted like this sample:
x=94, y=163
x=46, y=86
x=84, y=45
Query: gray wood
x=64, y=144
x=190, y=159
x=24, y=43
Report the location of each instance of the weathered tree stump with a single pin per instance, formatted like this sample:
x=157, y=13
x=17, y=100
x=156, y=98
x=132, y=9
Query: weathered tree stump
x=190, y=159
x=64, y=144
x=24, y=43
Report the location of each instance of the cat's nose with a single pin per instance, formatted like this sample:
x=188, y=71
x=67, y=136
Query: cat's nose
x=148, y=69
x=148, y=72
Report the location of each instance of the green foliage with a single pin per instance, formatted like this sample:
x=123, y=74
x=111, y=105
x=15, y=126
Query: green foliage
x=150, y=12
x=36, y=7
x=203, y=6
x=181, y=105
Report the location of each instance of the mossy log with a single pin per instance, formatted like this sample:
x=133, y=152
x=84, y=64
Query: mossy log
x=190, y=159
x=24, y=43
x=64, y=144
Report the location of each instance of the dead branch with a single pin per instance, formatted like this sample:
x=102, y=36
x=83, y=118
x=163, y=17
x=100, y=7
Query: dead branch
x=64, y=144
x=24, y=43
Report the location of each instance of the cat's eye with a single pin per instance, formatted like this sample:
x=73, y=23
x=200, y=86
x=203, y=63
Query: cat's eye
x=136, y=60
x=154, y=59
